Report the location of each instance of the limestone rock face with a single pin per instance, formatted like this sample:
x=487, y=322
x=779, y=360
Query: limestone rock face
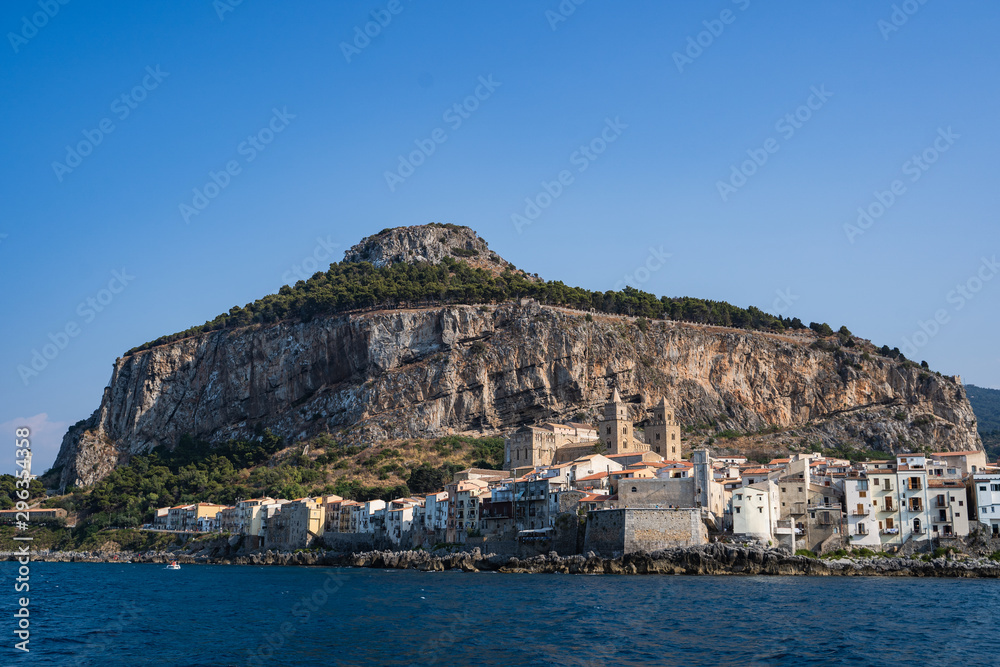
x=426, y=243
x=429, y=372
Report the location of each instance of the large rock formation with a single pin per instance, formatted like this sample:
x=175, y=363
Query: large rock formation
x=427, y=372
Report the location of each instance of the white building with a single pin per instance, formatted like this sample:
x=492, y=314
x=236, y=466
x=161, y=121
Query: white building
x=987, y=492
x=756, y=511
x=947, y=510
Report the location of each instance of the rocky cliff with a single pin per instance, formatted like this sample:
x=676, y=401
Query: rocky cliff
x=407, y=373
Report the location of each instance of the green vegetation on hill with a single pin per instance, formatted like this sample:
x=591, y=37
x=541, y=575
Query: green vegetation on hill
x=9, y=489
x=348, y=286
x=986, y=404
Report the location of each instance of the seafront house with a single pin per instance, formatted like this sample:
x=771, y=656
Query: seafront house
x=986, y=488
x=201, y=516
x=947, y=509
x=463, y=509
x=296, y=525
x=756, y=512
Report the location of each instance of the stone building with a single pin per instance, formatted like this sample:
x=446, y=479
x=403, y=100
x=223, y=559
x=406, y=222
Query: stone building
x=663, y=433
x=296, y=525
x=549, y=443
x=615, y=532
x=615, y=428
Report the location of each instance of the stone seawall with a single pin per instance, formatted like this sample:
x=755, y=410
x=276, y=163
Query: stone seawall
x=711, y=559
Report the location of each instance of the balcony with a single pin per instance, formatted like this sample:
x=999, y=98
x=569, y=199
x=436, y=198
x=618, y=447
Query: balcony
x=888, y=508
x=862, y=529
x=916, y=507
x=860, y=512
x=890, y=531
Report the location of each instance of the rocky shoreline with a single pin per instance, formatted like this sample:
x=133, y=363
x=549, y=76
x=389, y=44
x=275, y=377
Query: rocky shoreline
x=711, y=559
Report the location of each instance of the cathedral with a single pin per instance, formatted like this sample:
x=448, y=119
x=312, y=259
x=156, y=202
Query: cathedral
x=549, y=443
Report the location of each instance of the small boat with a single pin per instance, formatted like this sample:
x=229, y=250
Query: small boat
x=173, y=565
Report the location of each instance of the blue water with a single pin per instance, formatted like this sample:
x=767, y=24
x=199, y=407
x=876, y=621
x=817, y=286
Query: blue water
x=97, y=614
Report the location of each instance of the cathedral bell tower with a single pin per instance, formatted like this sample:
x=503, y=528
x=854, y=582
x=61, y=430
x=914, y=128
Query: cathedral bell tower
x=615, y=428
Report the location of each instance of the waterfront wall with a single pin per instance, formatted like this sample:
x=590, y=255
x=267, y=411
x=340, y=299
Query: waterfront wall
x=614, y=533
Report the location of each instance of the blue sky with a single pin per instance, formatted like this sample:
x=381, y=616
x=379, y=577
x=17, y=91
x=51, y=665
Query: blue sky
x=645, y=109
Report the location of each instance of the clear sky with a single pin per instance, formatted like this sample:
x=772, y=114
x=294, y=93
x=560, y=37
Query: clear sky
x=713, y=149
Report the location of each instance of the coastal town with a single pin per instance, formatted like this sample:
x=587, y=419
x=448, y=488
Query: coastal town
x=617, y=488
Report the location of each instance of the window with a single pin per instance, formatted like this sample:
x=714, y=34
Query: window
x=876, y=481
x=982, y=488
x=609, y=430
x=760, y=510
x=861, y=494
x=673, y=436
x=782, y=489
x=960, y=502
x=800, y=489
x=737, y=510
x=634, y=489
x=657, y=436
x=994, y=487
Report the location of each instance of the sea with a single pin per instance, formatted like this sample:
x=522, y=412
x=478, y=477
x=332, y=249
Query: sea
x=142, y=614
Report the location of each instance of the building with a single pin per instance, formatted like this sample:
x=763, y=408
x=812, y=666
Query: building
x=986, y=489
x=966, y=463
x=947, y=509
x=663, y=433
x=296, y=525
x=549, y=443
x=756, y=512
x=34, y=515
x=463, y=509
x=201, y=516
x=615, y=532
x=615, y=428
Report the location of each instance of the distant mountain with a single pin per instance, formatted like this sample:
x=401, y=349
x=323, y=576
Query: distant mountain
x=986, y=404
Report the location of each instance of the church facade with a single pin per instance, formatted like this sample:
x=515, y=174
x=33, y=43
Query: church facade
x=548, y=443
